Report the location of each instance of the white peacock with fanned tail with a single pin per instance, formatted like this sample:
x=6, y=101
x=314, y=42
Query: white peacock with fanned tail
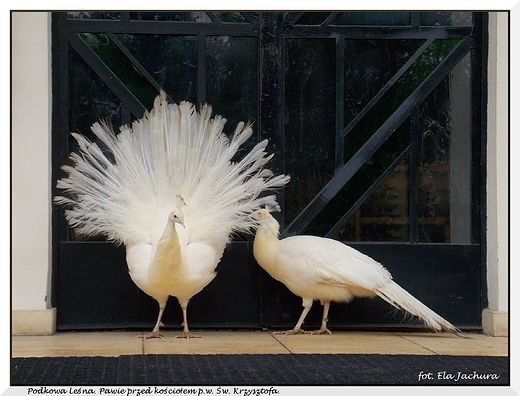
x=171, y=192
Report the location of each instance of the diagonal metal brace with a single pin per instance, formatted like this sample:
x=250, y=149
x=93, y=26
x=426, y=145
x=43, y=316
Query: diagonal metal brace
x=108, y=77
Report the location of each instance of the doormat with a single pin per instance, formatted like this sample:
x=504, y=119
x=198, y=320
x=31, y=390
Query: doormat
x=290, y=369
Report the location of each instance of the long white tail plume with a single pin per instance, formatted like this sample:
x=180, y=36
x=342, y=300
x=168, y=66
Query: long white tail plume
x=173, y=151
x=395, y=295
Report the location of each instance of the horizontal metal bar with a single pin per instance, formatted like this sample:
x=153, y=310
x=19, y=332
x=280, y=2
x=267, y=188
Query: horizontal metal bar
x=163, y=28
x=343, y=175
x=376, y=32
x=368, y=192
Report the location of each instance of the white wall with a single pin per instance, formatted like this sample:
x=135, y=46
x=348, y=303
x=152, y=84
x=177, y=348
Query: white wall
x=495, y=318
x=31, y=175
x=31, y=165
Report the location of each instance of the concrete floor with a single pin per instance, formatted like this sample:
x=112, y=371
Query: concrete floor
x=257, y=342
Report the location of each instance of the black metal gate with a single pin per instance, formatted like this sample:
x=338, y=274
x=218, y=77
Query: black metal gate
x=377, y=116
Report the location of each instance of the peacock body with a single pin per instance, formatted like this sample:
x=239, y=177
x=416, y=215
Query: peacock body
x=170, y=191
x=324, y=269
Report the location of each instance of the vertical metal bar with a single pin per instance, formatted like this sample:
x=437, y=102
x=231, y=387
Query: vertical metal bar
x=479, y=166
x=272, y=61
x=59, y=137
x=414, y=176
x=479, y=94
x=202, y=46
x=272, y=85
x=415, y=19
x=61, y=130
x=340, y=99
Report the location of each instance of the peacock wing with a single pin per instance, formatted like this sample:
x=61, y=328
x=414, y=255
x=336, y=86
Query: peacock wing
x=332, y=262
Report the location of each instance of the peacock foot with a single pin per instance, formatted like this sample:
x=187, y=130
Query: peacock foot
x=153, y=334
x=321, y=331
x=188, y=336
x=292, y=332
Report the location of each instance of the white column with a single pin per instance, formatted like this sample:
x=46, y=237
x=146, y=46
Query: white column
x=31, y=174
x=495, y=317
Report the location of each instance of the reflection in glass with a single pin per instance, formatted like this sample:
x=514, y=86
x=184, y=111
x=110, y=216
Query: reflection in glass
x=384, y=216
x=445, y=160
x=364, y=180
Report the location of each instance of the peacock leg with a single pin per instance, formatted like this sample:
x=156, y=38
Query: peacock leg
x=186, y=333
x=155, y=332
x=307, y=304
x=324, y=320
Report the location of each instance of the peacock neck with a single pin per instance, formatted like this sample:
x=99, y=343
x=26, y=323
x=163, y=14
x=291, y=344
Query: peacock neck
x=266, y=244
x=168, y=254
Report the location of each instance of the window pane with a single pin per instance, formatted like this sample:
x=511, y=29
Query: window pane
x=232, y=79
x=121, y=66
x=309, y=120
x=445, y=160
x=89, y=100
x=364, y=180
x=372, y=18
x=170, y=60
x=395, y=96
x=384, y=216
x=369, y=65
x=446, y=18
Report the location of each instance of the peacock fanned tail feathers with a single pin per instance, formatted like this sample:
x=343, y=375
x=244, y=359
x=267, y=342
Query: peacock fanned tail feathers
x=172, y=157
